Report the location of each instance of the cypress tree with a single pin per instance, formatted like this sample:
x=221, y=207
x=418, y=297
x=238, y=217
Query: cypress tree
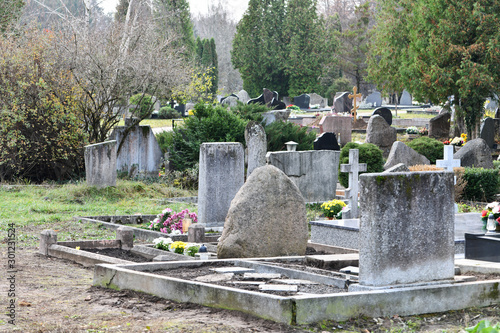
x=215, y=65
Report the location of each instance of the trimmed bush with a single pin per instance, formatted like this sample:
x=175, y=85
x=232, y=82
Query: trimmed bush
x=429, y=147
x=280, y=132
x=481, y=184
x=250, y=111
x=166, y=112
x=368, y=153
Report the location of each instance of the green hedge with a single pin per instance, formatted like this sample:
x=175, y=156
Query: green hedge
x=429, y=147
x=481, y=184
x=280, y=132
x=368, y=153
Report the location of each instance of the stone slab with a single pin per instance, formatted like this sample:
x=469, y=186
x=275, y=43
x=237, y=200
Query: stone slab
x=234, y=270
x=215, y=277
x=350, y=270
x=333, y=261
x=261, y=276
x=294, y=281
x=278, y=287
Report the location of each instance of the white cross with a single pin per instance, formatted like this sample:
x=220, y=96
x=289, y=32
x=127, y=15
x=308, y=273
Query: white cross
x=354, y=168
x=448, y=162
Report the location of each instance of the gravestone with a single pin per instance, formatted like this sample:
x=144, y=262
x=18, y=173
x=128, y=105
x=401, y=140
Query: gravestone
x=380, y=134
x=475, y=153
x=231, y=100
x=384, y=113
x=326, y=141
x=243, y=96
x=268, y=96
x=267, y=218
x=275, y=115
x=276, y=103
x=342, y=103
x=339, y=125
x=406, y=230
x=140, y=154
x=256, y=142
x=491, y=103
x=181, y=108
x=318, y=100
x=303, y=101
x=100, y=164
x=374, y=99
x=401, y=153
x=222, y=172
x=488, y=131
x=315, y=172
x=351, y=193
x=439, y=126
x=400, y=167
x=497, y=113
x=259, y=100
x=405, y=98
x=448, y=163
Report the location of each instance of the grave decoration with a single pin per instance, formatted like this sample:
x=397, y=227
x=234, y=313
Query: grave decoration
x=457, y=141
x=170, y=222
x=354, y=96
x=167, y=244
x=333, y=208
x=490, y=216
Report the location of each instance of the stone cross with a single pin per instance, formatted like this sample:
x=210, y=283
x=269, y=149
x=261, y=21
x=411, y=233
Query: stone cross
x=354, y=168
x=448, y=162
x=353, y=97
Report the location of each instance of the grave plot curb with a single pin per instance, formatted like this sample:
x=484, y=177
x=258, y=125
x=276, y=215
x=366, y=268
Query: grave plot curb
x=87, y=259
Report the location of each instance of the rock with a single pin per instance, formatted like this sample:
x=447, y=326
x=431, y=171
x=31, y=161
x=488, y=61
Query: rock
x=439, y=126
x=342, y=103
x=384, y=113
x=475, y=153
x=267, y=218
x=401, y=153
x=488, y=131
x=275, y=115
x=381, y=134
x=243, y=96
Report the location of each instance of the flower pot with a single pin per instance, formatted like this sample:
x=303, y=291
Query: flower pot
x=330, y=218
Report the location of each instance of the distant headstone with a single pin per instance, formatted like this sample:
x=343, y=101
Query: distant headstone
x=181, y=108
x=220, y=177
x=140, y=154
x=338, y=125
x=488, y=131
x=268, y=96
x=384, y=113
x=189, y=106
x=475, y=153
x=318, y=100
x=275, y=115
x=287, y=100
x=267, y=218
x=315, y=172
x=405, y=98
x=342, y=103
x=400, y=167
x=256, y=142
x=380, y=134
x=326, y=141
x=100, y=164
x=396, y=252
x=258, y=100
x=243, y=96
x=497, y=113
x=401, y=153
x=276, y=103
x=374, y=99
x=439, y=126
x=231, y=100
x=303, y=101
x=492, y=103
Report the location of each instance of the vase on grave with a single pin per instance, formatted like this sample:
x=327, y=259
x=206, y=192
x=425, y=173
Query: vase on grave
x=491, y=225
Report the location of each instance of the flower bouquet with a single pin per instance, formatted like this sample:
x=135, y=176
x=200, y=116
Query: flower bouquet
x=170, y=222
x=332, y=208
x=491, y=209
x=167, y=244
x=412, y=130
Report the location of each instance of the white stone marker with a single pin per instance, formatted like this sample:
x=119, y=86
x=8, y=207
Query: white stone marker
x=448, y=162
x=351, y=193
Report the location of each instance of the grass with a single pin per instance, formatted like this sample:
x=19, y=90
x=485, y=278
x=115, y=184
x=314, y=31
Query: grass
x=33, y=208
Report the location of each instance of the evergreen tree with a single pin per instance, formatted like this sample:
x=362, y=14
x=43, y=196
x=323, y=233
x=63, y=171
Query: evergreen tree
x=304, y=40
x=199, y=49
x=207, y=55
x=215, y=65
x=259, y=49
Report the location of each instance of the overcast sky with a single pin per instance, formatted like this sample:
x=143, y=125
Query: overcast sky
x=236, y=7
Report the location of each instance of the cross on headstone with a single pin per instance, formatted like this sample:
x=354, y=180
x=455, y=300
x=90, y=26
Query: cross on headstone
x=353, y=97
x=448, y=162
x=351, y=193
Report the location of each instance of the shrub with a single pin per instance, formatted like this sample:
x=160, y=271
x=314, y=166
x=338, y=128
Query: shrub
x=144, y=104
x=167, y=112
x=368, y=153
x=165, y=139
x=429, y=147
x=250, y=111
x=280, y=132
x=481, y=184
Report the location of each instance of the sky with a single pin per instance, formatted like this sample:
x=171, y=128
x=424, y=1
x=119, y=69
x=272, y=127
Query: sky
x=236, y=7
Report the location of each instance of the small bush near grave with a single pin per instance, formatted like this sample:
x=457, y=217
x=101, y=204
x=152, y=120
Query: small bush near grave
x=481, y=184
x=496, y=164
x=368, y=153
x=484, y=326
x=186, y=179
x=280, y=132
x=144, y=104
x=429, y=147
x=167, y=112
x=250, y=111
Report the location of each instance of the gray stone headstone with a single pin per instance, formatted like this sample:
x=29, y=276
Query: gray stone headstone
x=140, y=154
x=268, y=96
x=303, y=101
x=267, y=218
x=488, y=131
x=406, y=230
x=342, y=103
x=439, y=126
x=401, y=153
x=256, y=142
x=318, y=100
x=340, y=125
x=492, y=103
x=380, y=134
x=475, y=153
x=275, y=115
x=315, y=172
x=405, y=98
x=400, y=167
x=374, y=99
x=100, y=164
x=220, y=177
x=384, y=113
x=243, y=96
x=326, y=141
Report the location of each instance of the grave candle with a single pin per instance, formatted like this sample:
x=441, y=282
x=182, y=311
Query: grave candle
x=186, y=222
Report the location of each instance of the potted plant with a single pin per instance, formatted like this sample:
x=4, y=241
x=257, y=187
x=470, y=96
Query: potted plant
x=332, y=208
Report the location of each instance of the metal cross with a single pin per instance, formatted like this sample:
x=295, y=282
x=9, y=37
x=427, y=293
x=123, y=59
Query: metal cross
x=353, y=97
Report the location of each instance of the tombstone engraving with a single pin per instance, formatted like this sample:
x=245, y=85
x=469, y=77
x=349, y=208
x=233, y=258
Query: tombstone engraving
x=220, y=177
x=303, y=101
x=374, y=99
x=342, y=103
x=405, y=98
x=326, y=141
x=339, y=125
x=100, y=164
x=439, y=126
x=351, y=193
x=384, y=113
x=487, y=132
x=256, y=142
x=406, y=228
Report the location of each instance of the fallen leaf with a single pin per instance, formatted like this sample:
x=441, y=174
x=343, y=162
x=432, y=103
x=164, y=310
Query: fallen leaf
x=24, y=303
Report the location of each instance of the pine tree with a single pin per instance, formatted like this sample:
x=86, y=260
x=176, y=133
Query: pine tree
x=215, y=65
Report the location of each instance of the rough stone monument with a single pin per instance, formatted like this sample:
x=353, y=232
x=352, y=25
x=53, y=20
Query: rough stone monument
x=100, y=164
x=256, y=141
